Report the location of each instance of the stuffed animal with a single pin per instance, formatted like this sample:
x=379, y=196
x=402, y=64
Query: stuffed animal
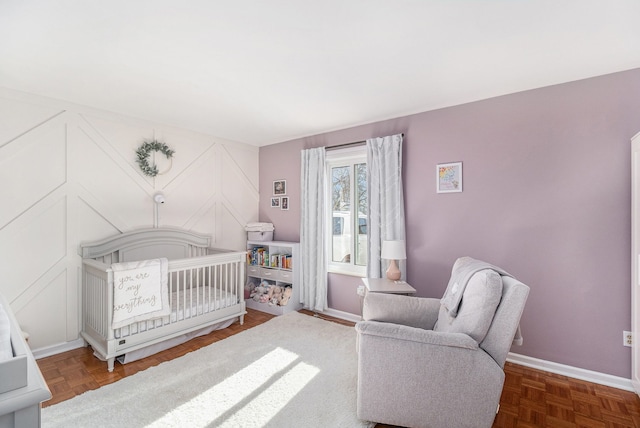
x=257, y=292
x=275, y=293
x=286, y=295
x=249, y=289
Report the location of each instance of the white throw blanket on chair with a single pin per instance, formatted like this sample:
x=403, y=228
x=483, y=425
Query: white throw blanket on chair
x=463, y=270
x=140, y=291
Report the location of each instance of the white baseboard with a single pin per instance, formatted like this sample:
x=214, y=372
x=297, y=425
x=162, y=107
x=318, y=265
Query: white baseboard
x=342, y=315
x=58, y=349
x=570, y=371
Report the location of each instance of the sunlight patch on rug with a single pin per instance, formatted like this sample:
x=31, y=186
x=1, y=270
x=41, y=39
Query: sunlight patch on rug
x=262, y=389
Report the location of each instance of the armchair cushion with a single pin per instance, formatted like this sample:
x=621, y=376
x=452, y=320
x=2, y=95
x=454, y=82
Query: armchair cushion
x=477, y=307
x=418, y=312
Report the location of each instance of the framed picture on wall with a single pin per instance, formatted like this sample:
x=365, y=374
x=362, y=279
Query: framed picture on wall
x=449, y=177
x=284, y=203
x=279, y=187
x=275, y=202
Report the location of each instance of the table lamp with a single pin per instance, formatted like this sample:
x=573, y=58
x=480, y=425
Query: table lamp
x=393, y=250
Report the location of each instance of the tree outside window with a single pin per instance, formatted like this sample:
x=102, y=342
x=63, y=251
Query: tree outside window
x=348, y=210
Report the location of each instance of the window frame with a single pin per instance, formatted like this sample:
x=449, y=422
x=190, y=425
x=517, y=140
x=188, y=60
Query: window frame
x=350, y=156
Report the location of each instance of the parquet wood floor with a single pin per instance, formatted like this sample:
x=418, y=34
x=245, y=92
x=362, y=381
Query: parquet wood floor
x=530, y=398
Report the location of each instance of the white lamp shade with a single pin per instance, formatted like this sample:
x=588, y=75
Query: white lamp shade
x=393, y=250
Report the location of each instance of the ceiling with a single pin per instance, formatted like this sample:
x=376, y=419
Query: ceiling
x=262, y=72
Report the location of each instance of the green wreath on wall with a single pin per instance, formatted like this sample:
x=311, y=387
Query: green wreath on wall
x=144, y=152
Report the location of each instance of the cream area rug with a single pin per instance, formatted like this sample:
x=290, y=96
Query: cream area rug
x=292, y=371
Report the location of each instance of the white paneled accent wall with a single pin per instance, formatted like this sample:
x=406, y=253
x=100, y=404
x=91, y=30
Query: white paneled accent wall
x=69, y=174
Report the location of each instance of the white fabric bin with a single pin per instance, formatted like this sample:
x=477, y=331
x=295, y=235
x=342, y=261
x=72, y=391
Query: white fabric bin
x=260, y=236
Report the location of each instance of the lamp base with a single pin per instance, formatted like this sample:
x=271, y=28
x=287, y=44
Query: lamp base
x=393, y=273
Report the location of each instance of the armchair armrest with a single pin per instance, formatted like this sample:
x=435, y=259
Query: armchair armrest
x=412, y=334
x=411, y=311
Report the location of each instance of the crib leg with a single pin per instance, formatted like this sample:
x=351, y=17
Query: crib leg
x=111, y=364
x=241, y=319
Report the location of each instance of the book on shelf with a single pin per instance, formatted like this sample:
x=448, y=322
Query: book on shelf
x=283, y=261
x=259, y=256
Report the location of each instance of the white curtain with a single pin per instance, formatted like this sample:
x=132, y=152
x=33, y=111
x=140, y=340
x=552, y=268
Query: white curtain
x=312, y=235
x=386, y=202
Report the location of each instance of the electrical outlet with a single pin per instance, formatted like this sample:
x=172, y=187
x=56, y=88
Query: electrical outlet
x=627, y=338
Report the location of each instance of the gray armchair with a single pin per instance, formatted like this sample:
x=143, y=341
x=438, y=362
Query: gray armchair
x=426, y=364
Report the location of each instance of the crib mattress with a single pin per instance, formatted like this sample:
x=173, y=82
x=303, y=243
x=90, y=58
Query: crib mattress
x=189, y=304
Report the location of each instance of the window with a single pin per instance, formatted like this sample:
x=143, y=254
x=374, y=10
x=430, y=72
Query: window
x=347, y=210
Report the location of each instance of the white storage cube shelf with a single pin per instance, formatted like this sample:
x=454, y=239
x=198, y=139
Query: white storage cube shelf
x=280, y=268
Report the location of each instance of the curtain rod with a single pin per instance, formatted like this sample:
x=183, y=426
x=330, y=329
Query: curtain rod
x=352, y=144
x=342, y=146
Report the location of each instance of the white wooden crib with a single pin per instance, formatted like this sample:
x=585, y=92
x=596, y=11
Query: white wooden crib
x=205, y=286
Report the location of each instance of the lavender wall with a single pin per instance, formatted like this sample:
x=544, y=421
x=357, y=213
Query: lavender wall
x=546, y=197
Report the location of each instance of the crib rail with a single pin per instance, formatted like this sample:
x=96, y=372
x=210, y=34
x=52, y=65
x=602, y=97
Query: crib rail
x=199, y=288
x=96, y=297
